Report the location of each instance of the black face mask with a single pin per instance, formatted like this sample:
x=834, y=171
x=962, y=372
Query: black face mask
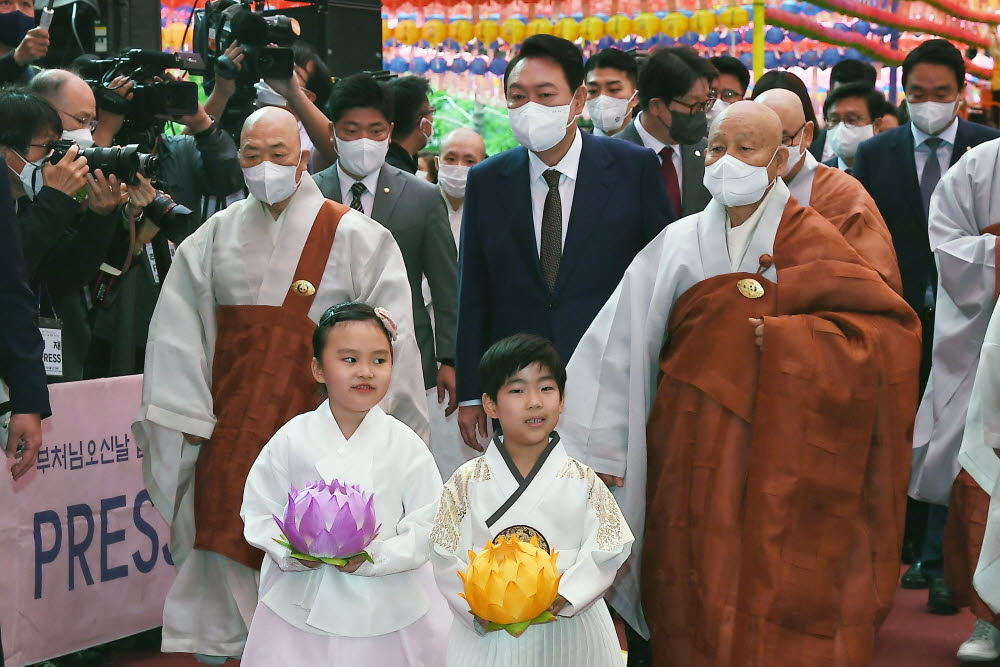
x=685, y=128
x=14, y=26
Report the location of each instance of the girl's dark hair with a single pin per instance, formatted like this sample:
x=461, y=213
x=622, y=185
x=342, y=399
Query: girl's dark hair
x=349, y=311
x=505, y=358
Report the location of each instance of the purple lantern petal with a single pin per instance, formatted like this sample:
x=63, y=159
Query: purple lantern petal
x=329, y=519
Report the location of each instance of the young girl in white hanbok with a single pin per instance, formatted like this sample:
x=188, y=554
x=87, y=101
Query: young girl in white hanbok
x=383, y=613
x=526, y=485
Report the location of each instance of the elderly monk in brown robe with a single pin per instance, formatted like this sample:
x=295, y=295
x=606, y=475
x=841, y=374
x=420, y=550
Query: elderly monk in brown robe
x=835, y=195
x=752, y=385
x=227, y=364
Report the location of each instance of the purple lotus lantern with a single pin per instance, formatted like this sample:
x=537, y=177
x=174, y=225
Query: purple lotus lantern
x=331, y=522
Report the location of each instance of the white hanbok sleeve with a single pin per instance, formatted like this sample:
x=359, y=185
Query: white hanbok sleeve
x=606, y=545
x=450, y=542
x=407, y=549
x=266, y=496
x=382, y=282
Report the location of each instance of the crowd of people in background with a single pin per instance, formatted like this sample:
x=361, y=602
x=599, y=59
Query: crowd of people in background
x=608, y=241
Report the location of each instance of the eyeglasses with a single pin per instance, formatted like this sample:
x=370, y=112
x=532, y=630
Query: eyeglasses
x=850, y=119
x=697, y=107
x=727, y=96
x=84, y=123
x=787, y=141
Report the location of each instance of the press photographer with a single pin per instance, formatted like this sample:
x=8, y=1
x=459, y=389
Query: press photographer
x=197, y=171
x=67, y=214
x=21, y=42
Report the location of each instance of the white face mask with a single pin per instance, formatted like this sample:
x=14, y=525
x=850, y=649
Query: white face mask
x=31, y=176
x=844, y=139
x=84, y=138
x=716, y=109
x=733, y=182
x=361, y=157
x=452, y=178
x=429, y=134
x=608, y=113
x=271, y=183
x=932, y=117
x=796, y=153
x=538, y=127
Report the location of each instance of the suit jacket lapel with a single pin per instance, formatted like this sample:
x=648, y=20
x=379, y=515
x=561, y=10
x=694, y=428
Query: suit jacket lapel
x=515, y=197
x=962, y=142
x=387, y=193
x=693, y=170
x=911, y=180
x=331, y=184
x=593, y=186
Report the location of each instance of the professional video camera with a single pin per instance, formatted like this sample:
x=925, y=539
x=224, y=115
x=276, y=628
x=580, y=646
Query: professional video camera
x=223, y=22
x=153, y=93
x=125, y=162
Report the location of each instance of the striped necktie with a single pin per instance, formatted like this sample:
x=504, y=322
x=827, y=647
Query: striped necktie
x=357, y=190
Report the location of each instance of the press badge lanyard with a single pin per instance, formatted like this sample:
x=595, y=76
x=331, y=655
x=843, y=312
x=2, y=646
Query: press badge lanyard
x=51, y=330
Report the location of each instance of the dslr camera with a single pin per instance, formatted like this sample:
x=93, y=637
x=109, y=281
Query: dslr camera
x=125, y=162
x=223, y=22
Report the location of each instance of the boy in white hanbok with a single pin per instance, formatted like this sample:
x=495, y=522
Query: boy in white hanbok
x=386, y=612
x=526, y=485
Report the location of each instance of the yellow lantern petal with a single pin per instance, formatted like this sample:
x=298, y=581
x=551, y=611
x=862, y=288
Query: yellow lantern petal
x=592, y=28
x=511, y=581
x=674, y=25
x=703, y=22
x=487, y=31
x=461, y=31
x=407, y=32
x=541, y=26
x=619, y=26
x=734, y=17
x=646, y=25
x=434, y=31
x=568, y=29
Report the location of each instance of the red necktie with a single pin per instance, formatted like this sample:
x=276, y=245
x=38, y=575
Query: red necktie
x=670, y=176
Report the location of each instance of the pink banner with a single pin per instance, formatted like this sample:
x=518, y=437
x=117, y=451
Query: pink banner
x=83, y=552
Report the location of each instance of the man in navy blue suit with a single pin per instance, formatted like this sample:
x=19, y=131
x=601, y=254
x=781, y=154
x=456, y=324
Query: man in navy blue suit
x=900, y=169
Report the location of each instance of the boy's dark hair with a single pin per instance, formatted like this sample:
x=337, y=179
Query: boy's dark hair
x=732, y=67
x=23, y=116
x=506, y=357
x=410, y=93
x=613, y=58
x=360, y=91
x=853, y=71
x=886, y=108
x=349, y=311
x=777, y=78
x=670, y=73
x=873, y=99
x=563, y=52
x=935, y=52
x=320, y=81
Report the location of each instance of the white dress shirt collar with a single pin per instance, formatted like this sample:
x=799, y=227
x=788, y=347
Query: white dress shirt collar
x=346, y=181
x=651, y=142
x=567, y=166
x=947, y=135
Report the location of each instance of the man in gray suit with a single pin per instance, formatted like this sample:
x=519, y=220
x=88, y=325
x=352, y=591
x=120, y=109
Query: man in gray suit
x=674, y=97
x=409, y=207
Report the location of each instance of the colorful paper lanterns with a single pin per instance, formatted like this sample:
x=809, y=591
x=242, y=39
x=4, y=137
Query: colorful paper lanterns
x=674, y=25
x=539, y=27
x=511, y=583
x=774, y=35
x=434, y=31
x=646, y=25
x=512, y=31
x=568, y=28
x=332, y=521
x=618, y=26
x=407, y=32
x=734, y=17
x=592, y=28
x=386, y=31
x=703, y=22
x=461, y=31
x=487, y=31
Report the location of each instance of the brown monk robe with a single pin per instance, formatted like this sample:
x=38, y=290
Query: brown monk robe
x=835, y=195
x=779, y=437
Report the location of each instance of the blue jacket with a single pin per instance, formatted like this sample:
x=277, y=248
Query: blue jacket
x=886, y=167
x=620, y=203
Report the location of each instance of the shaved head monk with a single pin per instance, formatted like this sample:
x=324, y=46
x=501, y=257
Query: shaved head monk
x=759, y=379
x=835, y=195
x=227, y=364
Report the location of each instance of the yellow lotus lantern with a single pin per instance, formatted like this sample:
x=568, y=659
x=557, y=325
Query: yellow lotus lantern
x=511, y=584
x=674, y=25
x=386, y=31
x=619, y=26
x=703, y=22
x=646, y=25
x=568, y=29
x=512, y=31
x=539, y=27
x=487, y=31
x=461, y=31
x=734, y=17
x=592, y=28
x=407, y=32
x=434, y=31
